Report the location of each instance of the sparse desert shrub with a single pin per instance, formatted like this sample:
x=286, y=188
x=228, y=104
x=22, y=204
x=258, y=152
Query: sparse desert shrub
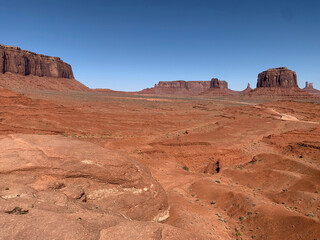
x=185, y=168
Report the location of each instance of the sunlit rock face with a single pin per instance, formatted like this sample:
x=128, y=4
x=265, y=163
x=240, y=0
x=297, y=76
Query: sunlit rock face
x=15, y=60
x=277, y=77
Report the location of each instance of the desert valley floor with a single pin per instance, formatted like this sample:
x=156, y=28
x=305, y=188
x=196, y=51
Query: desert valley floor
x=231, y=167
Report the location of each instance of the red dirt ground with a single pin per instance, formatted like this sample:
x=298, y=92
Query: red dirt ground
x=232, y=168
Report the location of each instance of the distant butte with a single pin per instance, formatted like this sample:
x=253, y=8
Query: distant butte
x=248, y=89
x=179, y=87
x=309, y=89
x=278, y=82
x=277, y=77
x=216, y=83
x=218, y=88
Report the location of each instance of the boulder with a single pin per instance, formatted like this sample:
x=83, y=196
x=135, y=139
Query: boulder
x=277, y=77
x=15, y=60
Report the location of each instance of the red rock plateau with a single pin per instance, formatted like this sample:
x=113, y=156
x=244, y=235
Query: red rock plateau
x=178, y=88
x=215, y=87
x=309, y=89
x=111, y=165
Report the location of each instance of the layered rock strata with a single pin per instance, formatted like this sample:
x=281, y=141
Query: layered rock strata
x=277, y=77
x=15, y=60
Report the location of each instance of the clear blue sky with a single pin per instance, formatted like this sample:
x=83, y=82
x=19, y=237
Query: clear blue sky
x=133, y=44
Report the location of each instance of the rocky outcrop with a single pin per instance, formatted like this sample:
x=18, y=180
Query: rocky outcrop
x=53, y=187
x=277, y=77
x=178, y=88
x=15, y=60
x=278, y=82
x=218, y=88
x=248, y=89
x=310, y=89
x=194, y=86
x=216, y=83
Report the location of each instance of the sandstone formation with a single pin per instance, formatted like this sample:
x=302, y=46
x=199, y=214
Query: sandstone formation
x=277, y=77
x=216, y=83
x=22, y=70
x=51, y=179
x=278, y=82
x=310, y=89
x=15, y=60
x=218, y=88
x=178, y=88
x=248, y=89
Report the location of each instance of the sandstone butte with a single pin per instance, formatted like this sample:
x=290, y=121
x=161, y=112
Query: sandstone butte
x=277, y=77
x=15, y=60
x=219, y=88
x=278, y=82
x=310, y=89
x=25, y=70
x=179, y=87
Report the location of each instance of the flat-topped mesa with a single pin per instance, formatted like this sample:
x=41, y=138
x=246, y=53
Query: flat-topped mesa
x=277, y=77
x=216, y=83
x=189, y=85
x=179, y=87
x=15, y=60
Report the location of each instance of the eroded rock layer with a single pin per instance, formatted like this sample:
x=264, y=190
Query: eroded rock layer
x=277, y=77
x=178, y=87
x=15, y=60
x=310, y=89
x=216, y=83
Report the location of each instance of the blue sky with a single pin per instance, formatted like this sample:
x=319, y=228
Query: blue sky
x=132, y=44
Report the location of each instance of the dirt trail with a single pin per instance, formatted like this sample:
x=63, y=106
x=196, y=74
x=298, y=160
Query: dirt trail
x=283, y=116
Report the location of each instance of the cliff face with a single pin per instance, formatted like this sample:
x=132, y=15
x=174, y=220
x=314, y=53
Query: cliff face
x=179, y=87
x=278, y=82
x=277, y=77
x=216, y=83
x=15, y=60
x=188, y=85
